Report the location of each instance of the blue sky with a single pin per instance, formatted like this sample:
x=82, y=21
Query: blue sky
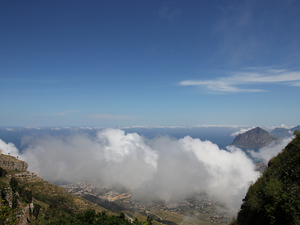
x=129, y=63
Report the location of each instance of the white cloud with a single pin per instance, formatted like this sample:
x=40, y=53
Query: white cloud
x=281, y=126
x=22, y=80
x=233, y=83
x=185, y=127
x=161, y=168
x=67, y=112
x=110, y=117
x=8, y=148
x=241, y=131
x=296, y=84
x=271, y=150
x=32, y=128
x=212, y=125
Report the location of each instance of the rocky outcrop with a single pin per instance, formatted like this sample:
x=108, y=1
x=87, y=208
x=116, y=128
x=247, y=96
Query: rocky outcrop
x=25, y=215
x=8, y=196
x=12, y=193
x=10, y=163
x=254, y=138
x=26, y=174
x=17, y=198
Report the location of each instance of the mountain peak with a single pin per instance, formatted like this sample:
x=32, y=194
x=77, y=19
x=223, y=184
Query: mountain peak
x=280, y=132
x=254, y=138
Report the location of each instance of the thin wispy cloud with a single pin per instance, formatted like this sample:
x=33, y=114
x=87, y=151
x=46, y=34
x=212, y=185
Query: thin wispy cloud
x=109, y=117
x=296, y=84
x=23, y=80
x=235, y=82
x=67, y=112
x=167, y=13
x=47, y=90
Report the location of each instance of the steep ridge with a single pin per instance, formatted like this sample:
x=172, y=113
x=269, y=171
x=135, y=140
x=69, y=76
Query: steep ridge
x=254, y=138
x=274, y=199
x=295, y=128
x=280, y=132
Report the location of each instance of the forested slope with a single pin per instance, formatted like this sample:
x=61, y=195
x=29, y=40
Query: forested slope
x=275, y=197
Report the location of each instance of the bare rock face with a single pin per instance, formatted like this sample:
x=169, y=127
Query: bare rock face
x=254, y=138
x=13, y=193
x=11, y=163
x=25, y=215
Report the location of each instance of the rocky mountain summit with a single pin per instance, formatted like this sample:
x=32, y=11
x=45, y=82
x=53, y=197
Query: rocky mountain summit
x=254, y=138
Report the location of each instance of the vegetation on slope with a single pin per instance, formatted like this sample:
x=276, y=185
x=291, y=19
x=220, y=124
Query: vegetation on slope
x=275, y=197
x=52, y=205
x=90, y=217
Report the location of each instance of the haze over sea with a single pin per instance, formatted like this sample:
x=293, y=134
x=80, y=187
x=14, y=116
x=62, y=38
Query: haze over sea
x=220, y=135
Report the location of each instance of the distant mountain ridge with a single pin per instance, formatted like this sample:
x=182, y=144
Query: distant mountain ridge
x=254, y=138
x=280, y=132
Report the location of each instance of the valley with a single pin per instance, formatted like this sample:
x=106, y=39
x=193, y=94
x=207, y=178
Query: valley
x=197, y=209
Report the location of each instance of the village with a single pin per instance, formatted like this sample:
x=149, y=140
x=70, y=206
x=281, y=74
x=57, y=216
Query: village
x=199, y=206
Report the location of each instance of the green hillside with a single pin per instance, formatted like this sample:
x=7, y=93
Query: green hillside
x=26, y=198
x=275, y=197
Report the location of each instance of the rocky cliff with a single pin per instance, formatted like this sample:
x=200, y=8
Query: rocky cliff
x=254, y=138
x=26, y=198
x=10, y=163
x=16, y=204
x=15, y=201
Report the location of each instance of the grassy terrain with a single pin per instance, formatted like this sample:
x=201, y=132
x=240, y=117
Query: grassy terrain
x=55, y=201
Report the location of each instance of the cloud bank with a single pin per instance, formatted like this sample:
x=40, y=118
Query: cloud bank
x=272, y=149
x=162, y=168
